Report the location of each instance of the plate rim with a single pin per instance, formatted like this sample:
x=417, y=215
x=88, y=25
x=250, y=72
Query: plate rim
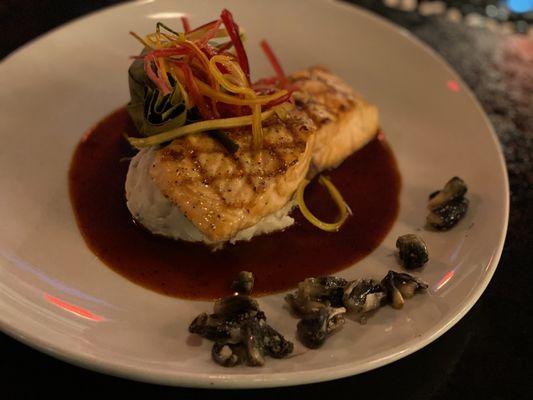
x=247, y=381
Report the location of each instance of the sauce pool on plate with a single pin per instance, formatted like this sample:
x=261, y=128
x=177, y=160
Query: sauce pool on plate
x=368, y=180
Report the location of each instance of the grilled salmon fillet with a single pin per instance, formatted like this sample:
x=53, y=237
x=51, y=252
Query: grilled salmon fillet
x=223, y=193
x=345, y=122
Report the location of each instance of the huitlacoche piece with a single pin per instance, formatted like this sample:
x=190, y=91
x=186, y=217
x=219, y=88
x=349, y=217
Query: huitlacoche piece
x=448, y=206
x=400, y=286
x=413, y=251
x=244, y=283
x=313, y=329
x=322, y=303
x=239, y=329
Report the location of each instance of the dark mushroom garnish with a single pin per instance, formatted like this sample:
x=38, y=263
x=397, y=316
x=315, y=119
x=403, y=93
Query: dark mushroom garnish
x=363, y=295
x=401, y=286
x=199, y=324
x=313, y=293
x=216, y=328
x=453, y=189
x=302, y=305
x=244, y=283
x=448, y=206
x=412, y=250
x=314, y=328
x=448, y=215
x=240, y=332
x=233, y=306
x=225, y=354
x=316, y=302
x=252, y=340
x=275, y=344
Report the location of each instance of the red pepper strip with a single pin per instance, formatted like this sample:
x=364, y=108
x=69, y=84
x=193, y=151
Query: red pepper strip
x=193, y=90
x=204, y=27
x=274, y=61
x=233, y=32
x=282, y=99
x=155, y=78
x=169, y=52
x=186, y=24
x=203, y=63
x=204, y=76
x=209, y=34
x=209, y=50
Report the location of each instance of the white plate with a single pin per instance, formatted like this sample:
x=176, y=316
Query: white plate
x=57, y=296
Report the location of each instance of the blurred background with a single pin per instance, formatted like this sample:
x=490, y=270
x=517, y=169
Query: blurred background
x=20, y=18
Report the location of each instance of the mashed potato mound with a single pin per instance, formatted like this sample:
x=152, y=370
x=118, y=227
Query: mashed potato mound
x=160, y=216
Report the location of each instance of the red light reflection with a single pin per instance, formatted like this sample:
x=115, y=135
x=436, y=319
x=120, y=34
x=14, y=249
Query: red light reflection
x=445, y=279
x=453, y=86
x=79, y=311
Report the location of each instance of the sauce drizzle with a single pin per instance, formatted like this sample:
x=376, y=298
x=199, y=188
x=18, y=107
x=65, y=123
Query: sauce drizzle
x=368, y=180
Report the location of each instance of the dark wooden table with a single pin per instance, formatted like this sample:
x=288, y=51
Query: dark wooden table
x=486, y=355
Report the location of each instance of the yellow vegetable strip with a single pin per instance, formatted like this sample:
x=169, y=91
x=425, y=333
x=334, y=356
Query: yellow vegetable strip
x=198, y=35
x=169, y=38
x=336, y=196
x=223, y=81
x=206, y=90
x=205, y=62
x=207, y=125
x=240, y=77
x=140, y=39
x=152, y=39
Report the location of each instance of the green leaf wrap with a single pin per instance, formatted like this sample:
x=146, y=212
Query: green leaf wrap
x=151, y=111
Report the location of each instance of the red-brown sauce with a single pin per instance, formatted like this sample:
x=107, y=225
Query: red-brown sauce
x=369, y=181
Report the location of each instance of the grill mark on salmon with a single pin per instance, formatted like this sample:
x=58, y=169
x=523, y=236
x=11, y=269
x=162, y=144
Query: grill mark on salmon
x=223, y=193
x=345, y=122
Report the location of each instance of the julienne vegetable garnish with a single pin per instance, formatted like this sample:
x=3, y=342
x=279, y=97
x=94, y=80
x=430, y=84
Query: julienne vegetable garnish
x=190, y=82
x=335, y=195
x=275, y=64
x=196, y=127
